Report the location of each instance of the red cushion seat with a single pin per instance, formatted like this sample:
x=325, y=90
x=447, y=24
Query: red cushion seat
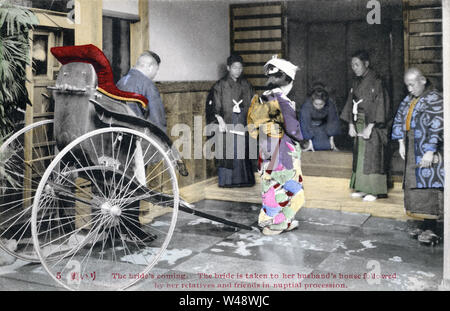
x=93, y=55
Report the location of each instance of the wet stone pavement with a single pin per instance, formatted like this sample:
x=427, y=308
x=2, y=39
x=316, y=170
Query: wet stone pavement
x=330, y=250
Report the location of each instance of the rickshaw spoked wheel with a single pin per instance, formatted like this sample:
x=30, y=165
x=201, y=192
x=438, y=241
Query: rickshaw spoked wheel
x=23, y=159
x=116, y=218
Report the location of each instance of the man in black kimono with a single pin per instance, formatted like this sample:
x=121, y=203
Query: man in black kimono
x=367, y=112
x=228, y=107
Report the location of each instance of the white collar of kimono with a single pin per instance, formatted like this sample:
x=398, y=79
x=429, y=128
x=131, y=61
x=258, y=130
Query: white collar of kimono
x=284, y=90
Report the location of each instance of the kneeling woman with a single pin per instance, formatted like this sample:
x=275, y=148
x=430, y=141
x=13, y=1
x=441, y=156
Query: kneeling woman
x=279, y=150
x=319, y=120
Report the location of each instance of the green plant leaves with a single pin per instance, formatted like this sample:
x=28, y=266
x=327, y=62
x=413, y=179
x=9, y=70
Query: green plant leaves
x=15, y=22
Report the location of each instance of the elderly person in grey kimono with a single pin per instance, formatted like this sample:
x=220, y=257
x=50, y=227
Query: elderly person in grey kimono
x=228, y=106
x=418, y=127
x=140, y=80
x=367, y=111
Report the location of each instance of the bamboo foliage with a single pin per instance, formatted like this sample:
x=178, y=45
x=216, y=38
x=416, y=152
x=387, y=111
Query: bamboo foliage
x=5, y=157
x=15, y=23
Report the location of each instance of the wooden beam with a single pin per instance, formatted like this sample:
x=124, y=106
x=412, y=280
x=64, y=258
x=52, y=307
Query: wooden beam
x=89, y=22
x=53, y=19
x=139, y=33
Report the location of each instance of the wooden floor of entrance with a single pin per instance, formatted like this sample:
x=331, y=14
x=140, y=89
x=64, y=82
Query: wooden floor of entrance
x=326, y=186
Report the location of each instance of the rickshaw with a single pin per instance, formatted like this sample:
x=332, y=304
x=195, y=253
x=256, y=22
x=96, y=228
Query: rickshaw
x=92, y=194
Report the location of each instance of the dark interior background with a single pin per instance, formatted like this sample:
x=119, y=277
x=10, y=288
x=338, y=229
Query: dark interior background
x=322, y=36
x=116, y=45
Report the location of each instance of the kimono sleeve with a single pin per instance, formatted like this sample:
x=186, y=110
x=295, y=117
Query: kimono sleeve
x=250, y=92
x=305, y=120
x=217, y=99
x=434, y=124
x=210, y=112
x=379, y=116
x=399, y=120
x=291, y=124
x=347, y=112
x=156, y=113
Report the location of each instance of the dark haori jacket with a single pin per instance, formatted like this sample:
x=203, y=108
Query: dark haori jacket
x=427, y=121
x=319, y=125
x=375, y=106
x=220, y=102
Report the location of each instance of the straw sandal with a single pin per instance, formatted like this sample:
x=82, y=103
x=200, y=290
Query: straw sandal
x=428, y=237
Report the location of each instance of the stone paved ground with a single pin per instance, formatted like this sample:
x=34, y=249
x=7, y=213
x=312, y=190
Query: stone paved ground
x=331, y=250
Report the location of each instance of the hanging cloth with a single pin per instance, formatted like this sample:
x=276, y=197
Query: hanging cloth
x=355, y=109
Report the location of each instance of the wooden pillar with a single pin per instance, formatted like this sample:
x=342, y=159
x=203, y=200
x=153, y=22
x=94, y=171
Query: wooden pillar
x=139, y=42
x=89, y=22
x=29, y=112
x=139, y=33
x=29, y=84
x=446, y=86
x=88, y=30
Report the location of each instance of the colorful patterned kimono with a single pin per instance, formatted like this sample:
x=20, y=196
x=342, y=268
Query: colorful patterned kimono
x=369, y=156
x=318, y=125
x=422, y=186
x=280, y=165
